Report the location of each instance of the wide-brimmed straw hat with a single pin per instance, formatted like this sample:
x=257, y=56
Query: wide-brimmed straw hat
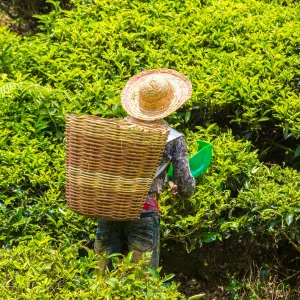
x=154, y=94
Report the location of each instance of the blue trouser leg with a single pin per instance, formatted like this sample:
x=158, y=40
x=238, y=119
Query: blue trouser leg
x=109, y=240
x=141, y=235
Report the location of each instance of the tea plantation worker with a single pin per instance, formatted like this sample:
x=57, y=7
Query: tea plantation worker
x=148, y=97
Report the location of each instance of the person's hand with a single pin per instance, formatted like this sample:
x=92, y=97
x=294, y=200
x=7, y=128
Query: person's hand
x=173, y=188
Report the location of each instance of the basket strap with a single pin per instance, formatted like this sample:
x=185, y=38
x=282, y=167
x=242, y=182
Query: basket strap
x=161, y=168
x=172, y=136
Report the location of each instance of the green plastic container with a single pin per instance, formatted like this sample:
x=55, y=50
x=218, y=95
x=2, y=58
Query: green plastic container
x=200, y=161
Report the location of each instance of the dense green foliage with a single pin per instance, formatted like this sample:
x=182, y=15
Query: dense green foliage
x=243, y=60
x=241, y=57
x=37, y=271
x=237, y=194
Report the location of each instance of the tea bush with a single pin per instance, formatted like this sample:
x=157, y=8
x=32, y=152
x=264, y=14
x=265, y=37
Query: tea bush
x=243, y=60
x=35, y=270
x=242, y=57
x=237, y=194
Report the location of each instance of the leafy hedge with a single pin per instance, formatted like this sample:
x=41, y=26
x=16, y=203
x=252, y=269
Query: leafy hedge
x=243, y=60
x=242, y=57
x=238, y=194
x=37, y=271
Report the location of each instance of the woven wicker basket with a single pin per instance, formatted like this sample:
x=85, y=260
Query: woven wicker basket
x=110, y=165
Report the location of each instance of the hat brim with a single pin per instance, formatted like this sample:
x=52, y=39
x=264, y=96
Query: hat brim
x=182, y=90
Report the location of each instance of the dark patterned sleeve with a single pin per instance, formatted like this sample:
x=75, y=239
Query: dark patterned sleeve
x=182, y=175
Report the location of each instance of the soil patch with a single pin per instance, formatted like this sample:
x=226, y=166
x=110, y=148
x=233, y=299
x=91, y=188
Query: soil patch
x=213, y=268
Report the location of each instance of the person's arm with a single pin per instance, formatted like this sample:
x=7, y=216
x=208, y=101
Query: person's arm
x=184, y=182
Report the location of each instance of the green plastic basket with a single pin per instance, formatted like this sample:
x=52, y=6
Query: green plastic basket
x=200, y=161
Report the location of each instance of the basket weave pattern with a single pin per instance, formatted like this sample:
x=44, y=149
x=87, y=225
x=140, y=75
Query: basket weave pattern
x=110, y=165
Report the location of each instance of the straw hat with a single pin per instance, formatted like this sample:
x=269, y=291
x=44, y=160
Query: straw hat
x=154, y=94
